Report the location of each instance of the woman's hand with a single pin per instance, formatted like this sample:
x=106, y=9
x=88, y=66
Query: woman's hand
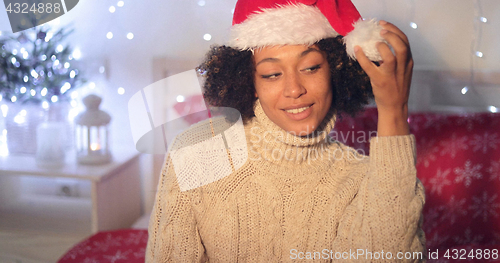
x=390, y=80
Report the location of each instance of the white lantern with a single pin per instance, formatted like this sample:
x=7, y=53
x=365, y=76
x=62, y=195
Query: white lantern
x=92, y=132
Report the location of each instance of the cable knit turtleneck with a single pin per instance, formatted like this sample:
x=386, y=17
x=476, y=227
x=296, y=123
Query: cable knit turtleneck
x=294, y=197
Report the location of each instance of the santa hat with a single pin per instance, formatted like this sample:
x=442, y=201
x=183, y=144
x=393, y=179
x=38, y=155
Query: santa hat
x=259, y=23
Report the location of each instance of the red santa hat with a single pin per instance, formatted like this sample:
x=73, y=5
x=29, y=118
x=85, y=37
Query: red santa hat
x=259, y=23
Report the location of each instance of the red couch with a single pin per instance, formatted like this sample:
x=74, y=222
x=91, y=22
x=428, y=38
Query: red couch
x=458, y=162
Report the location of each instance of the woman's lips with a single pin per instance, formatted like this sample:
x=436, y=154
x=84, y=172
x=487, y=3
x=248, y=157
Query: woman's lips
x=299, y=112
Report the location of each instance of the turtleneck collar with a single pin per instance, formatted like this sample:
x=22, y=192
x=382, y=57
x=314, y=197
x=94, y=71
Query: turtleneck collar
x=269, y=142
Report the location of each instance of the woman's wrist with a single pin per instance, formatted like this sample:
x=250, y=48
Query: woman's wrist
x=393, y=122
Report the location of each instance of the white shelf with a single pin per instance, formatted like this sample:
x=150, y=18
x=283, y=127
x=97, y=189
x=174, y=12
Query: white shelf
x=44, y=213
x=110, y=200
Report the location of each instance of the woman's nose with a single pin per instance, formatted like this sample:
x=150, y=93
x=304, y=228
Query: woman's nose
x=293, y=86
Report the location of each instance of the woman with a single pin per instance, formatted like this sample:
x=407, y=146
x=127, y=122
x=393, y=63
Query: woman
x=301, y=195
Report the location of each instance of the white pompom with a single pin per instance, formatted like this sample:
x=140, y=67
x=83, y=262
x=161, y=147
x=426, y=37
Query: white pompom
x=366, y=34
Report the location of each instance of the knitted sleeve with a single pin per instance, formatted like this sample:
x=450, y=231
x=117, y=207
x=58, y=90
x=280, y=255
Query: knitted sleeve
x=385, y=218
x=173, y=233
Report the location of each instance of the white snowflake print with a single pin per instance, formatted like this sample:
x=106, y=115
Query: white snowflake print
x=494, y=170
x=136, y=238
x=453, y=145
x=432, y=218
x=452, y=210
x=90, y=260
x=497, y=237
x=469, y=121
x=436, y=240
x=140, y=253
x=467, y=173
x=484, y=206
x=436, y=122
x=485, y=142
x=109, y=242
x=427, y=151
x=117, y=256
x=439, y=181
x=80, y=249
x=468, y=239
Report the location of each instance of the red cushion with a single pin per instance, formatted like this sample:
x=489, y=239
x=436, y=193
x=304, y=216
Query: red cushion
x=126, y=245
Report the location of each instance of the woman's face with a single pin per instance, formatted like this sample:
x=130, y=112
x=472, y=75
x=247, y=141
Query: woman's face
x=292, y=83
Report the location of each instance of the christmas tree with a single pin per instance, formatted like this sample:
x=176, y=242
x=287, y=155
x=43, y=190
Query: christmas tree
x=35, y=64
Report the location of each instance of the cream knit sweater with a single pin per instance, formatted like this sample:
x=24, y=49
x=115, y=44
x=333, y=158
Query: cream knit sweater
x=295, y=198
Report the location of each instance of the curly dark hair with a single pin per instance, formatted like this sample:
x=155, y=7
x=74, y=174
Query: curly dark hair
x=229, y=79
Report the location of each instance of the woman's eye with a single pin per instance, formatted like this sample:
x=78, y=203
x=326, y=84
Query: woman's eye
x=271, y=76
x=312, y=69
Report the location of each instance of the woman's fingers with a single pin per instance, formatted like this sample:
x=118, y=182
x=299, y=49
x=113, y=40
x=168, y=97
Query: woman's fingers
x=388, y=59
x=390, y=27
x=365, y=63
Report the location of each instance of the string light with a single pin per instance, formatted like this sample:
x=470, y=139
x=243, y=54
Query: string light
x=493, y=109
x=121, y=91
x=130, y=36
x=33, y=92
x=45, y=105
x=34, y=74
x=201, y=3
x=120, y=3
x=13, y=99
x=109, y=35
x=180, y=98
x=112, y=9
x=43, y=92
x=77, y=54
x=413, y=25
x=65, y=87
x=476, y=39
x=207, y=37
x=102, y=69
x=5, y=110
x=22, y=90
x=464, y=90
x=54, y=98
x=92, y=85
